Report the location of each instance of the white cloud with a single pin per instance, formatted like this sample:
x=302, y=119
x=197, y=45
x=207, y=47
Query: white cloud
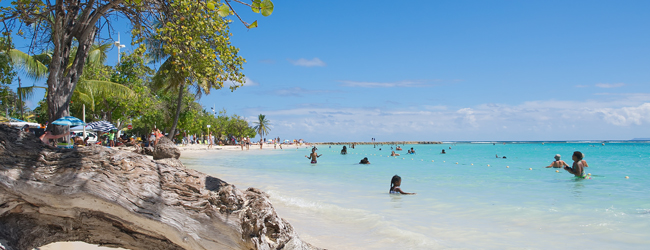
x=622, y=117
x=246, y=83
x=610, y=85
x=404, y=84
x=315, y=62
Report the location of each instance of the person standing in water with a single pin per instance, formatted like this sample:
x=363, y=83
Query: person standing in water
x=313, y=156
x=579, y=165
x=557, y=163
x=394, y=185
x=344, y=151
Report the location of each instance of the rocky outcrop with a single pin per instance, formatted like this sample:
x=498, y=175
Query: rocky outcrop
x=165, y=148
x=121, y=199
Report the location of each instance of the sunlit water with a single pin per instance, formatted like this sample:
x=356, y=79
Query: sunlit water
x=339, y=204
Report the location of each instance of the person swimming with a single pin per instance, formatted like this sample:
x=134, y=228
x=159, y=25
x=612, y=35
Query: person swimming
x=412, y=151
x=395, y=183
x=579, y=165
x=344, y=151
x=393, y=154
x=364, y=161
x=443, y=152
x=313, y=156
x=558, y=163
x=398, y=148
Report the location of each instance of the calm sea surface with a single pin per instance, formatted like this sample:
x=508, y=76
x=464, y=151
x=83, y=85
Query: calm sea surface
x=466, y=199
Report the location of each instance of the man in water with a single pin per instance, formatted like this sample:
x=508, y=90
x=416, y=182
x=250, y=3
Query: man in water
x=364, y=161
x=313, y=156
x=558, y=163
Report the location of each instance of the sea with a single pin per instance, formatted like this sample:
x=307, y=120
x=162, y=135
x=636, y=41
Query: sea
x=466, y=199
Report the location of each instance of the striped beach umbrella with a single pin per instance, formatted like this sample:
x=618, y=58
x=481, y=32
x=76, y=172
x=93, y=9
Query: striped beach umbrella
x=103, y=126
x=68, y=121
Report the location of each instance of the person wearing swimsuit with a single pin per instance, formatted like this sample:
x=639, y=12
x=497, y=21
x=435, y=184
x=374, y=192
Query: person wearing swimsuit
x=579, y=165
x=313, y=156
x=395, y=182
x=558, y=163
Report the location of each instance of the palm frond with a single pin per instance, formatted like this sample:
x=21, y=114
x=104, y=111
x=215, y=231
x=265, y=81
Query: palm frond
x=27, y=92
x=101, y=87
x=33, y=67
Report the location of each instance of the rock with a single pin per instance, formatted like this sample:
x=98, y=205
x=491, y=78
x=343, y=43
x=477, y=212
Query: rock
x=117, y=198
x=165, y=148
x=147, y=150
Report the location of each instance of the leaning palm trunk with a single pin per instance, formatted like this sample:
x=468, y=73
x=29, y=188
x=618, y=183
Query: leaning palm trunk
x=172, y=132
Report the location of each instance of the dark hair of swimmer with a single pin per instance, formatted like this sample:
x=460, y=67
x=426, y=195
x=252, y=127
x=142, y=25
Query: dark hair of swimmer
x=395, y=179
x=578, y=155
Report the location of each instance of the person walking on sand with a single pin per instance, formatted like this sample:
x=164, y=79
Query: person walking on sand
x=313, y=156
x=558, y=163
x=210, y=140
x=579, y=165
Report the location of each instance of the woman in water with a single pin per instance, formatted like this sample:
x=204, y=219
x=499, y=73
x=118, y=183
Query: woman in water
x=344, y=151
x=579, y=165
x=394, y=185
x=364, y=161
x=393, y=154
x=313, y=156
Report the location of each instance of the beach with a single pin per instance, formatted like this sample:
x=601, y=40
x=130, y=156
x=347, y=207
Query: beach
x=465, y=199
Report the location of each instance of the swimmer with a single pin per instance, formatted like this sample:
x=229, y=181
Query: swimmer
x=313, y=155
x=344, y=151
x=394, y=186
x=443, y=152
x=558, y=163
x=393, y=154
x=364, y=161
x=398, y=148
x=412, y=151
x=579, y=165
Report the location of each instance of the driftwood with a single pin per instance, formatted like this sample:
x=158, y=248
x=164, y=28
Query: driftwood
x=118, y=198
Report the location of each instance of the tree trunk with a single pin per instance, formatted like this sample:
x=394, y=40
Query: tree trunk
x=178, y=112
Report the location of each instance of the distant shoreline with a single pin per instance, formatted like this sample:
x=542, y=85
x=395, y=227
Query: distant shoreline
x=378, y=143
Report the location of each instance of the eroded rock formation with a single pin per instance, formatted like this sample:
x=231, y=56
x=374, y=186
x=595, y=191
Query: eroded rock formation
x=122, y=199
x=165, y=148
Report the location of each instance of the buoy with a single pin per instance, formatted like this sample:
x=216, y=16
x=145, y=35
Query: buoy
x=402, y=158
x=443, y=161
x=456, y=163
x=589, y=174
x=507, y=166
x=627, y=177
x=557, y=171
x=431, y=160
x=530, y=168
x=472, y=164
x=488, y=165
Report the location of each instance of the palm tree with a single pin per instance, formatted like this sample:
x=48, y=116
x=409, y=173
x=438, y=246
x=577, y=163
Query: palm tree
x=263, y=127
x=170, y=77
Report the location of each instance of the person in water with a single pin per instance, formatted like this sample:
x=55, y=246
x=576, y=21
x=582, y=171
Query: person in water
x=395, y=185
x=393, y=154
x=558, y=163
x=364, y=161
x=412, y=151
x=398, y=148
x=443, y=152
x=313, y=155
x=579, y=165
x=344, y=151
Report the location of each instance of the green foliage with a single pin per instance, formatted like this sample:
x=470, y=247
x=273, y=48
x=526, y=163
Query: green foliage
x=262, y=125
x=7, y=72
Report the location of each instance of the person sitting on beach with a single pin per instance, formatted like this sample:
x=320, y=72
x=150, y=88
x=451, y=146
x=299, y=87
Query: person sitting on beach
x=443, y=152
x=45, y=137
x=313, y=156
x=557, y=163
x=393, y=154
x=344, y=151
x=579, y=165
x=364, y=161
x=394, y=185
x=398, y=148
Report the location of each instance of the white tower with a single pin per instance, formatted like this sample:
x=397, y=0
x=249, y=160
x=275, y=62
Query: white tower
x=119, y=46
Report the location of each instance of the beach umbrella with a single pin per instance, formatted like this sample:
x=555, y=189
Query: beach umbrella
x=68, y=121
x=103, y=126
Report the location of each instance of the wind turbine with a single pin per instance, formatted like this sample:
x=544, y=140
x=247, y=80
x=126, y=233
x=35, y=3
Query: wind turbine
x=119, y=46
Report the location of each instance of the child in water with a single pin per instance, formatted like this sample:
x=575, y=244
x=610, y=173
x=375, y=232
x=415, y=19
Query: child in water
x=394, y=186
x=313, y=156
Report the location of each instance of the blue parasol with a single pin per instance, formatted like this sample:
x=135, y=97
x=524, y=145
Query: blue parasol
x=68, y=121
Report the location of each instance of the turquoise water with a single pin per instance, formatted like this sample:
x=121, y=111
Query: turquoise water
x=339, y=204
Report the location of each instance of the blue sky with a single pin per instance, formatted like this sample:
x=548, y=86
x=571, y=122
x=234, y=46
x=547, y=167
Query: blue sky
x=445, y=70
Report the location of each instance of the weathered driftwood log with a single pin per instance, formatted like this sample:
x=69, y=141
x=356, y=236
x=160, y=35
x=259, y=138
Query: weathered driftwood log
x=122, y=199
